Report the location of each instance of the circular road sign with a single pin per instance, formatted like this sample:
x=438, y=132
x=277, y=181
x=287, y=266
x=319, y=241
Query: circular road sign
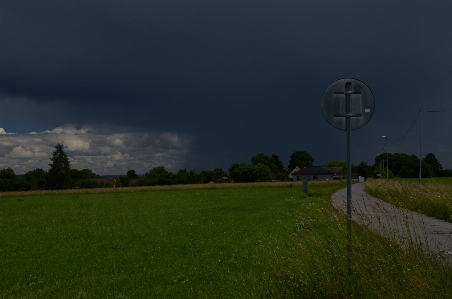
x=348, y=97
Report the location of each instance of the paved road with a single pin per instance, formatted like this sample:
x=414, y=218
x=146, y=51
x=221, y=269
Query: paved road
x=430, y=234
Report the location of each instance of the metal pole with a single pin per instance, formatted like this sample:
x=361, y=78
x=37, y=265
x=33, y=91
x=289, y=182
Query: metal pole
x=420, y=149
x=387, y=159
x=380, y=166
x=379, y=156
x=387, y=166
x=348, y=93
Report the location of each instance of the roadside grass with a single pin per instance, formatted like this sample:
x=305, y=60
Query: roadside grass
x=243, y=242
x=433, y=197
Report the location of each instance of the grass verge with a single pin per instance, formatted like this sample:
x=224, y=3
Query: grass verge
x=433, y=197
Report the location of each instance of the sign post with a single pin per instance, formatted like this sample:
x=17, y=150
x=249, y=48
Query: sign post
x=305, y=185
x=348, y=104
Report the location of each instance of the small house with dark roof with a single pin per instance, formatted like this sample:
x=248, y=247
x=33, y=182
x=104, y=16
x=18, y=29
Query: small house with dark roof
x=105, y=181
x=337, y=171
x=294, y=170
x=222, y=180
x=313, y=173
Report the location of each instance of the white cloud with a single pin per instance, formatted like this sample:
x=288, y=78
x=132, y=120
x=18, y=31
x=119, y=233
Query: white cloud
x=26, y=152
x=116, y=140
x=76, y=144
x=2, y=132
x=99, y=148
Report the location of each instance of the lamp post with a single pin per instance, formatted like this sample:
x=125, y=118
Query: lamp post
x=382, y=161
x=379, y=158
x=420, y=149
x=387, y=158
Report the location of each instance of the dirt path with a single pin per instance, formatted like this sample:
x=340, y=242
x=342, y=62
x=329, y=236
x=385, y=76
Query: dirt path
x=430, y=234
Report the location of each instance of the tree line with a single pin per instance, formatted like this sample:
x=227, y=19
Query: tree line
x=262, y=168
x=402, y=165
x=60, y=175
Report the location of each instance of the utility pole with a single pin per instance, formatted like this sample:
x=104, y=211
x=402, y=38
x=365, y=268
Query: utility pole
x=387, y=159
x=420, y=149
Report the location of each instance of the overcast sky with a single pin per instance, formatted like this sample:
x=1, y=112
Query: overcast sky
x=204, y=84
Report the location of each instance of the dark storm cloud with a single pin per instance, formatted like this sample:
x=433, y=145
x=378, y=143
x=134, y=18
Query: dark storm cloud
x=240, y=77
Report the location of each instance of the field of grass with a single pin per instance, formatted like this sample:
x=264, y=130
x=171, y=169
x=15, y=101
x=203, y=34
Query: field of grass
x=242, y=241
x=433, y=197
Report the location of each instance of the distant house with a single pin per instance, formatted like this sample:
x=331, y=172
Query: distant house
x=222, y=180
x=313, y=173
x=105, y=181
x=337, y=171
x=294, y=170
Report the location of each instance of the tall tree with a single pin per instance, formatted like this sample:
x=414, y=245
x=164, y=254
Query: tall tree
x=36, y=179
x=7, y=174
x=436, y=165
x=8, y=180
x=244, y=173
x=157, y=176
x=219, y=173
x=234, y=167
x=186, y=177
x=266, y=160
x=59, y=172
x=300, y=159
x=362, y=170
x=278, y=162
x=132, y=175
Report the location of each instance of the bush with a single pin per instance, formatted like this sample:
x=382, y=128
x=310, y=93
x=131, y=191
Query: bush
x=252, y=173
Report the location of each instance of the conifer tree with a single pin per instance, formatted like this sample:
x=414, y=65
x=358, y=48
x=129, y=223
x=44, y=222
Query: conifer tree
x=59, y=172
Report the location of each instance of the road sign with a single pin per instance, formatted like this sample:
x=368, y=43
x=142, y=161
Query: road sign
x=361, y=103
x=348, y=104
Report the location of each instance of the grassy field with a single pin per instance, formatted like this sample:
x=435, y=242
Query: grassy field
x=243, y=241
x=433, y=197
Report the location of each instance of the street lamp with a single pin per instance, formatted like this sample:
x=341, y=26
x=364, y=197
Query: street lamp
x=387, y=159
x=379, y=169
x=420, y=148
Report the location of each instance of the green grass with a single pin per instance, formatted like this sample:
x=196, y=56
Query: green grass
x=249, y=241
x=433, y=197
